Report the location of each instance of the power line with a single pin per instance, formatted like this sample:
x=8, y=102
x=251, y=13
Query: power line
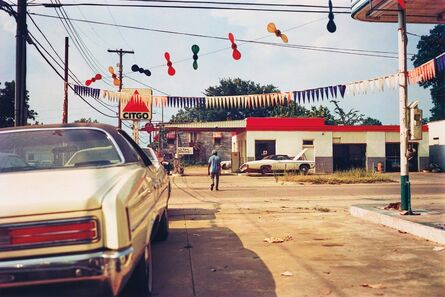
x=144, y=84
x=84, y=51
x=73, y=76
x=240, y=3
x=55, y=70
x=51, y=5
x=224, y=38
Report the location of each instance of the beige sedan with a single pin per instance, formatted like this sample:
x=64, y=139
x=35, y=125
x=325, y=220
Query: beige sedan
x=79, y=203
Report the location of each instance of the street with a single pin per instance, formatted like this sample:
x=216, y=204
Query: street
x=217, y=242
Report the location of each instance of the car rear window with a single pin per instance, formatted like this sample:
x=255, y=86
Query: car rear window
x=56, y=148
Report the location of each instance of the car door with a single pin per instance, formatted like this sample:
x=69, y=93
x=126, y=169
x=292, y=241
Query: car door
x=144, y=205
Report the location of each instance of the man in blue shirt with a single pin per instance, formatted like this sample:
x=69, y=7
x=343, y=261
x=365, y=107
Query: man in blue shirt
x=214, y=169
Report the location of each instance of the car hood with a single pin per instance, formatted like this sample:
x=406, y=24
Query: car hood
x=53, y=191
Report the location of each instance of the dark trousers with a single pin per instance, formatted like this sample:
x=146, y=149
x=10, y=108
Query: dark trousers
x=214, y=176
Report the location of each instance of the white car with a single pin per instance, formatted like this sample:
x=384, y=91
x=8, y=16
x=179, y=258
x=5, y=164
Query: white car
x=79, y=203
x=273, y=163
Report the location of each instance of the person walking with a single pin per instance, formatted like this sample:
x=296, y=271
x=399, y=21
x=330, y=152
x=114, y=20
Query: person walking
x=214, y=169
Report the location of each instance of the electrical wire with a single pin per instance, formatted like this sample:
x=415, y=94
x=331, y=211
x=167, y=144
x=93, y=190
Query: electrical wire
x=84, y=51
x=72, y=75
x=51, y=5
x=225, y=38
x=33, y=43
x=62, y=64
x=241, y=3
x=144, y=84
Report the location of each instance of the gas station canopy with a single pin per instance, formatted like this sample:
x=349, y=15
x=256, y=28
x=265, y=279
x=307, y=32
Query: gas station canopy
x=385, y=11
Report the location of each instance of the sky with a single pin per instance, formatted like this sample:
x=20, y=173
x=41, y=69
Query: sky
x=287, y=68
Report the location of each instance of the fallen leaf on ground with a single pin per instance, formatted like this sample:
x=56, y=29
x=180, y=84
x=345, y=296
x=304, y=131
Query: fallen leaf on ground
x=396, y=206
x=374, y=286
x=438, y=248
x=273, y=240
x=278, y=239
x=287, y=273
x=288, y=237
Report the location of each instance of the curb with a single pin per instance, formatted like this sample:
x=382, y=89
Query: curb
x=371, y=214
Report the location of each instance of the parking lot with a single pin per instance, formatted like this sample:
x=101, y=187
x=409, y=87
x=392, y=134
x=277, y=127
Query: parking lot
x=217, y=243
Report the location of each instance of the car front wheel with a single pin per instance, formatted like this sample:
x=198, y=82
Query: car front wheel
x=304, y=169
x=265, y=169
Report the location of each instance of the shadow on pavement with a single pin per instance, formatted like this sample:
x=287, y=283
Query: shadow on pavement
x=192, y=214
x=209, y=262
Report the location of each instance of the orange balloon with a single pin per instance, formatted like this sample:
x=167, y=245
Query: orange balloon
x=271, y=28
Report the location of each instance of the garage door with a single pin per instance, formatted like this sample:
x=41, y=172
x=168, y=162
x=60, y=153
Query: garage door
x=349, y=156
x=264, y=148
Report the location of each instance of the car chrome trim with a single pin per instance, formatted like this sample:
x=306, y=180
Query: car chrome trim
x=112, y=267
x=49, y=223
x=109, y=137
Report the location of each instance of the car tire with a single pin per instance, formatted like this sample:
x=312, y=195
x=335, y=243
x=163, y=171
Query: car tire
x=265, y=169
x=304, y=169
x=163, y=229
x=141, y=282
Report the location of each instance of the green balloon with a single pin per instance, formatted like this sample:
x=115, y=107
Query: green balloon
x=195, y=49
x=195, y=65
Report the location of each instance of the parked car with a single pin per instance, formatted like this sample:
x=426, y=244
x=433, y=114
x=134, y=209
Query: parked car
x=162, y=166
x=90, y=215
x=273, y=163
x=226, y=165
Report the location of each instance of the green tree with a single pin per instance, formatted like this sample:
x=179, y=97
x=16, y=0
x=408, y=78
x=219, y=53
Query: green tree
x=85, y=120
x=322, y=112
x=351, y=117
x=233, y=87
x=429, y=47
x=371, y=122
x=7, y=104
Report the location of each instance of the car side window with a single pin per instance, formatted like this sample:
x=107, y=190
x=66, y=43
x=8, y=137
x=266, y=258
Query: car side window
x=140, y=155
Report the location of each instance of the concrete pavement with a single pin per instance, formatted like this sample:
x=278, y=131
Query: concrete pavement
x=217, y=247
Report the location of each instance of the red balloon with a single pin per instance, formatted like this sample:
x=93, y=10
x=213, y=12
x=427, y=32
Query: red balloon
x=88, y=82
x=98, y=76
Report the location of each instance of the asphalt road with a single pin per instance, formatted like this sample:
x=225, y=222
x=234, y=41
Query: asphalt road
x=217, y=247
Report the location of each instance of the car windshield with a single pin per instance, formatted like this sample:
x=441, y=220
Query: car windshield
x=55, y=148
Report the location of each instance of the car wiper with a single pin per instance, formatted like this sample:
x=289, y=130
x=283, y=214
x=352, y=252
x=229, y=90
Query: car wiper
x=93, y=163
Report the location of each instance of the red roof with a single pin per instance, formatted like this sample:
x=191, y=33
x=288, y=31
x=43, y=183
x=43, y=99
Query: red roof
x=312, y=124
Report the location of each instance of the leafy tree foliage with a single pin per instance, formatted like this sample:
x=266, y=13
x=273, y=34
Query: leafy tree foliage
x=351, y=117
x=431, y=46
x=85, y=120
x=7, y=104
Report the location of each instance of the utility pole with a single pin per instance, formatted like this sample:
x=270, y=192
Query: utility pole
x=405, y=186
x=120, y=52
x=21, y=112
x=65, y=99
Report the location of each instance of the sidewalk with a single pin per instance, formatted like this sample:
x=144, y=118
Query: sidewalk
x=428, y=223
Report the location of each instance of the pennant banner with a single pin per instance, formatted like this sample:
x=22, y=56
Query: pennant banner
x=424, y=72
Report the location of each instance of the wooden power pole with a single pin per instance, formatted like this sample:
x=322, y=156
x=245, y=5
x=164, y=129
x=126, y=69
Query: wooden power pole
x=20, y=110
x=65, y=78
x=120, y=52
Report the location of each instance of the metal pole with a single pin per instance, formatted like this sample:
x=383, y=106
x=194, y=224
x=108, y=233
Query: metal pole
x=21, y=114
x=65, y=99
x=403, y=101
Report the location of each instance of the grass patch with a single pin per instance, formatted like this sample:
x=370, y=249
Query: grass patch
x=354, y=176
